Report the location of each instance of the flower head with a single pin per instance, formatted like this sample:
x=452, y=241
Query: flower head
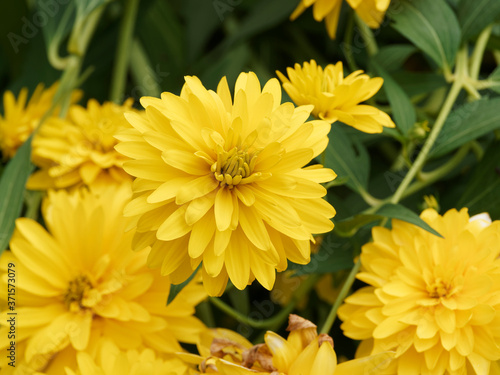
x=370, y=11
x=433, y=300
x=20, y=119
x=304, y=352
x=80, y=149
x=80, y=281
x=110, y=360
x=335, y=97
x=221, y=182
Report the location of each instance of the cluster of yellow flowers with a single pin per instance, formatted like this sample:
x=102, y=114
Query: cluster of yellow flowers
x=228, y=185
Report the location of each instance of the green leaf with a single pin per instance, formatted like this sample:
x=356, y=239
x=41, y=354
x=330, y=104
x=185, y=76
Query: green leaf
x=12, y=186
x=467, y=123
x=397, y=211
x=402, y=108
x=335, y=254
x=474, y=16
x=176, y=289
x=432, y=26
x=495, y=78
x=482, y=193
x=417, y=83
x=349, y=227
x=348, y=158
x=392, y=57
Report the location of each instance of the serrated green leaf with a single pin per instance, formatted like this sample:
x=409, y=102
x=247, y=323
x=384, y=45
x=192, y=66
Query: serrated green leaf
x=474, y=16
x=176, y=289
x=482, y=193
x=432, y=26
x=397, y=211
x=467, y=123
x=12, y=186
x=402, y=108
x=348, y=158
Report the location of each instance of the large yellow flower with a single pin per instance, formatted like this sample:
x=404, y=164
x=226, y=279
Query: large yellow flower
x=433, y=300
x=370, y=11
x=221, y=182
x=110, y=360
x=21, y=118
x=304, y=352
x=335, y=97
x=80, y=149
x=80, y=281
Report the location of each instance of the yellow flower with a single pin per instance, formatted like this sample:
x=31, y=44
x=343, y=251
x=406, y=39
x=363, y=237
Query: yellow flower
x=80, y=280
x=21, y=118
x=433, y=300
x=370, y=11
x=110, y=360
x=80, y=149
x=336, y=98
x=221, y=182
x=304, y=352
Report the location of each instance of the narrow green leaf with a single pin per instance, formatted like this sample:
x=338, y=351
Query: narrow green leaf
x=12, y=186
x=467, y=123
x=474, y=16
x=432, y=26
x=176, y=289
x=397, y=211
x=402, y=108
x=482, y=193
x=348, y=158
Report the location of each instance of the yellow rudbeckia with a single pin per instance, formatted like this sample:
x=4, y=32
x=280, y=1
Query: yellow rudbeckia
x=223, y=182
x=370, y=11
x=80, y=149
x=80, y=280
x=435, y=301
x=304, y=352
x=21, y=118
x=335, y=97
x=110, y=360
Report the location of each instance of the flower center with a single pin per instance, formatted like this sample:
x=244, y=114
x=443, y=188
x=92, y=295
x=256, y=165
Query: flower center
x=440, y=289
x=76, y=292
x=235, y=167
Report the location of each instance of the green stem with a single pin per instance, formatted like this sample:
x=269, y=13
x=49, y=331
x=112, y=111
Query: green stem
x=122, y=55
x=428, y=178
x=368, y=37
x=330, y=319
x=348, y=44
x=276, y=320
x=368, y=198
x=477, y=55
x=436, y=129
